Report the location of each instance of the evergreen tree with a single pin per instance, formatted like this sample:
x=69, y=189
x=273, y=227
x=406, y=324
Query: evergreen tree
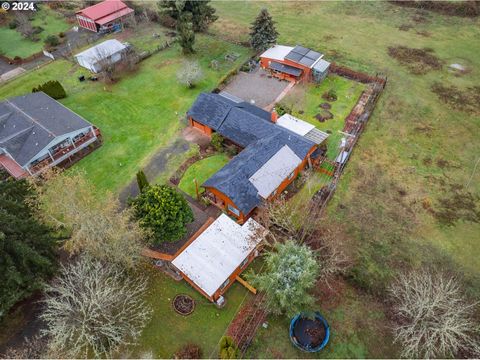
x=27, y=247
x=142, y=180
x=52, y=88
x=263, y=33
x=202, y=13
x=186, y=33
x=163, y=211
x=291, y=271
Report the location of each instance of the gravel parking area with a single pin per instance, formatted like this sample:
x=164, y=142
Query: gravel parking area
x=256, y=86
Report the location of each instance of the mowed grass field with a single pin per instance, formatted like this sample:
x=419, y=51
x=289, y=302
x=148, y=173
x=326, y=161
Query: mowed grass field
x=12, y=43
x=201, y=171
x=168, y=331
x=139, y=114
x=415, y=152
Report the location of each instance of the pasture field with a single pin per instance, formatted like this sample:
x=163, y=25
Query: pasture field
x=416, y=162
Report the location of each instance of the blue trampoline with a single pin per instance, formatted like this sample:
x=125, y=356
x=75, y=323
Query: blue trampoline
x=309, y=333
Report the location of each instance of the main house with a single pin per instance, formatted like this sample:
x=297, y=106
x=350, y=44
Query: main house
x=37, y=132
x=274, y=151
x=295, y=63
x=104, y=15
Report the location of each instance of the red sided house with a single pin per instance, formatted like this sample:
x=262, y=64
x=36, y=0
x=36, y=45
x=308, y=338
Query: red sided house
x=274, y=151
x=104, y=15
x=294, y=63
x=37, y=132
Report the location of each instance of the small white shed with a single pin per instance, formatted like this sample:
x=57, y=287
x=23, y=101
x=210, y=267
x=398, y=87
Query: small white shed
x=93, y=57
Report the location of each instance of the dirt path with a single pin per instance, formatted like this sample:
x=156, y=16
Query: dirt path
x=155, y=166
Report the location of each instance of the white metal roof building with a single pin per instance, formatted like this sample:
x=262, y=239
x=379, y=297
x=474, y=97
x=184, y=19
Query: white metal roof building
x=211, y=259
x=302, y=128
x=269, y=177
x=277, y=52
x=92, y=57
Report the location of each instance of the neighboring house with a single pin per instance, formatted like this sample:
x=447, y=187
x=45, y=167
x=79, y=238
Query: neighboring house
x=212, y=260
x=295, y=63
x=105, y=53
x=37, y=132
x=104, y=15
x=274, y=152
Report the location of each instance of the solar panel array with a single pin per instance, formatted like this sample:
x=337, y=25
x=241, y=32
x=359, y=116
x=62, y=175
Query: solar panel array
x=303, y=56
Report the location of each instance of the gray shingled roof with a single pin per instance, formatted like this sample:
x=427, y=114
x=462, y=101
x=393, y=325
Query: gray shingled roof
x=250, y=127
x=28, y=123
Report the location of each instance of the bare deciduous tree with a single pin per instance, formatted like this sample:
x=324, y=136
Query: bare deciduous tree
x=93, y=308
x=434, y=319
x=190, y=73
x=97, y=225
x=24, y=26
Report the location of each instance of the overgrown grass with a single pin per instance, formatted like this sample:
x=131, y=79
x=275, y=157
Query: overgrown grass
x=398, y=163
x=201, y=171
x=12, y=43
x=139, y=114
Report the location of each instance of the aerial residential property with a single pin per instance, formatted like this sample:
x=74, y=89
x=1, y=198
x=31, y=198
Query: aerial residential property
x=37, y=132
x=203, y=179
x=275, y=151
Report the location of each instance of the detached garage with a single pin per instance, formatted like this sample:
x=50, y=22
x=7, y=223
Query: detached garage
x=94, y=58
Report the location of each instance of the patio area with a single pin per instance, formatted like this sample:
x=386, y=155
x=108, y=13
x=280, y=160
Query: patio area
x=257, y=87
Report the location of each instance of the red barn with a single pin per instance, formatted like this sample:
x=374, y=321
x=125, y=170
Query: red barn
x=104, y=15
x=294, y=63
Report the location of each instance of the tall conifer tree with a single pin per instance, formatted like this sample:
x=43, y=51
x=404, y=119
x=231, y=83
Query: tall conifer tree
x=263, y=33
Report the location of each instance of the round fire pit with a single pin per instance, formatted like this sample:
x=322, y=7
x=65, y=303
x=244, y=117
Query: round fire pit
x=183, y=304
x=309, y=334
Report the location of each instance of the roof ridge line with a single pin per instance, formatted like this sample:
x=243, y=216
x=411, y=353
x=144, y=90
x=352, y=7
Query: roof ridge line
x=18, y=133
x=30, y=117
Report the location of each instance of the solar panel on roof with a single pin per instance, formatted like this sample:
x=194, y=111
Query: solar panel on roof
x=300, y=49
x=293, y=56
x=306, y=61
x=313, y=55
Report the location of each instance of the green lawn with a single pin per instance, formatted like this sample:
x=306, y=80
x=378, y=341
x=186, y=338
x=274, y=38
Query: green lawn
x=201, y=171
x=139, y=114
x=12, y=43
x=348, y=93
x=168, y=331
x=409, y=134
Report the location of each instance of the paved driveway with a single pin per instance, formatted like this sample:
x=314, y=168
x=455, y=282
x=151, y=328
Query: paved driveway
x=256, y=86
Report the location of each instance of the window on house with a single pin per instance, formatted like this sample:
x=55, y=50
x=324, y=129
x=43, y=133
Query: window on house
x=244, y=262
x=233, y=209
x=225, y=284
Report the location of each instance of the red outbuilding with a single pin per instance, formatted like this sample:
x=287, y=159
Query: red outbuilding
x=294, y=63
x=104, y=15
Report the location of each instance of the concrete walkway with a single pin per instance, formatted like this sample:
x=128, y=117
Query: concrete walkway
x=156, y=165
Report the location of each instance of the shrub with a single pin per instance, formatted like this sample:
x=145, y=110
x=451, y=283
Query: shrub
x=189, y=351
x=62, y=34
x=228, y=348
x=52, y=40
x=52, y=88
x=12, y=25
x=142, y=181
x=37, y=29
x=163, y=211
x=217, y=141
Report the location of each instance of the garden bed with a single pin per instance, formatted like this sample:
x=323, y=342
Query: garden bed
x=327, y=114
x=183, y=304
